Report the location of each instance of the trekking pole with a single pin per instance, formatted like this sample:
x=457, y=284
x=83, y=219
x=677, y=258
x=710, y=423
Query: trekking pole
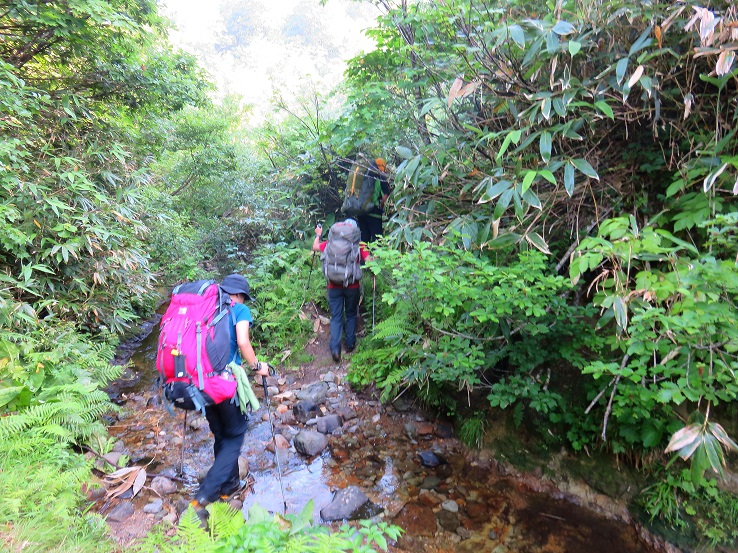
x=374, y=293
x=274, y=438
x=184, y=435
x=312, y=263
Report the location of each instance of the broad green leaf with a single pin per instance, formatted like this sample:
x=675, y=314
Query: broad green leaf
x=620, y=69
x=9, y=394
x=404, y=152
x=528, y=179
x=605, y=108
x=569, y=178
x=574, y=47
x=563, y=28
x=545, y=145
x=548, y=175
x=513, y=136
x=494, y=189
x=517, y=34
x=504, y=240
x=537, y=241
x=584, y=167
x=643, y=41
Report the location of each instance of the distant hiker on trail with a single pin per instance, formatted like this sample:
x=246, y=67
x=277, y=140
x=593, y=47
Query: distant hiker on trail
x=367, y=190
x=227, y=423
x=370, y=223
x=341, y=257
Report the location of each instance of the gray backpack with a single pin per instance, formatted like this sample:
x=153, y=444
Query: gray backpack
x=340, y=259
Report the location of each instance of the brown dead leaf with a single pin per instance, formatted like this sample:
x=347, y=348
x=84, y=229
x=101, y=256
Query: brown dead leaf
x=455, y=88
x=124, y=479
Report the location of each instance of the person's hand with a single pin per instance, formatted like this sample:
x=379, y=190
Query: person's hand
x=261, y=368
x=319, y=230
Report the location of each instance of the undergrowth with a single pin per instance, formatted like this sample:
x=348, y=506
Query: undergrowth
x=228, y=532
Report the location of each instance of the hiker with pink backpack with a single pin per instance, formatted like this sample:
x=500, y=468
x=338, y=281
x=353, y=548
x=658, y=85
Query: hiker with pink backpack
x=341, y=257
x=204, y=332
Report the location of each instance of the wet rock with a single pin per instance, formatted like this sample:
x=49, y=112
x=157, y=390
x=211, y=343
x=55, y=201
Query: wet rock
x=243, y=467
x=450, y=505
x=345, y=503
x=281, y=441
x=416, y=520
x=463, y=533
x=346, y=413
x=282, y=408
x=271, y=382
x=430, y=483
x=121, y=512
x=425, y=429
x=316, y=392
x=429, y=498
x=448, y=520
x=401, y=405
x=153, y=507
x=305, y=410
x=444, y=430
x=430, y=459
x=328, y=377
x=492, y=535
x=310, y=443
x=163, y=486
x=410, y=429
x=327, y=424
x=272, y=391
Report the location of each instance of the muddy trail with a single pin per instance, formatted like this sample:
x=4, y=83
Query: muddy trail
x=333, y=440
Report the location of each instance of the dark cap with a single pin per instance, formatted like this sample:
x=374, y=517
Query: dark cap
x=236, y=284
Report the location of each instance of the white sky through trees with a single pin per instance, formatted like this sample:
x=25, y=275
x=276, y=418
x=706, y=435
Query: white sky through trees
x=256, y=48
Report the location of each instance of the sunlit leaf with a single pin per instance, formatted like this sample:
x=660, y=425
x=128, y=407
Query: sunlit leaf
x=635, y=76
x=574, y=47
x=724, y=62
x=683, y=437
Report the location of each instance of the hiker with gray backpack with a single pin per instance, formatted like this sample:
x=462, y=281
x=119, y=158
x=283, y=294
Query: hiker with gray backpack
x=341, y=257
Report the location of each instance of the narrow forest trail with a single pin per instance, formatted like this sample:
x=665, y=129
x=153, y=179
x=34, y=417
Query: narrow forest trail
x=415, y=473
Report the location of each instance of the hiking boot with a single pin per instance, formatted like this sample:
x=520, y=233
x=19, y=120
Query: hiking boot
x=232, y=489
x=201, y=513
x=336, y=356
x=350, y=348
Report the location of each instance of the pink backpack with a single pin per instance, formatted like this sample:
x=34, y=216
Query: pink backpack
x=194, y=346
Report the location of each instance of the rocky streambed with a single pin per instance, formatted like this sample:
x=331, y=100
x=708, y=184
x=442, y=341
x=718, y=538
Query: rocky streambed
x=355, y=458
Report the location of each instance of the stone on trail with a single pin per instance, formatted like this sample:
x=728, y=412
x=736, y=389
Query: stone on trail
x=153, y=507
x=243, y=467
x=316, y=392
x=344, y=505
x=282, y=443
x=327, y=424
x=346, y=413
x=309, y=442
x=430, y=459
x=121, y=512
x=163, y=486
x=305, y=410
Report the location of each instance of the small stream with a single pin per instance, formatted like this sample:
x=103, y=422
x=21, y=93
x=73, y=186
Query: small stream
x=463, y=504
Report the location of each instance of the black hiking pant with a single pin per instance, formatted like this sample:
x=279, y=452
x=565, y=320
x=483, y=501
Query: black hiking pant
x=370, y=226
x=228, y=426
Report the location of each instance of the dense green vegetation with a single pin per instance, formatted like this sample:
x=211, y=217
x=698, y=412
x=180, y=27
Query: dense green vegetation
x=562, y=238
x=228, y=533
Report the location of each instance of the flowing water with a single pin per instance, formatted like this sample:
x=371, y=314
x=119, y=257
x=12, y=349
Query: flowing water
x=464, y=504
